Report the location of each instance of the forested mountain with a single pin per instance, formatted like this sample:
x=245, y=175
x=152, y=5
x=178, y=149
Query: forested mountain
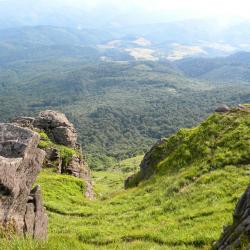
x=119, y=107
x=43, y=42
x=231, y=69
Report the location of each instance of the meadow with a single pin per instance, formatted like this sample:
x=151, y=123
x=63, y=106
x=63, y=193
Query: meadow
x=176, y=208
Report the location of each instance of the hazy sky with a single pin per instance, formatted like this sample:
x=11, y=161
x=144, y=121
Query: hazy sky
x=217, y=8
x=225, y=8
x=127, y=11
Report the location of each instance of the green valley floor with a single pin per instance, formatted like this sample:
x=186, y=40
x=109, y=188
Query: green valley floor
x=177, y=210
x=163, y=216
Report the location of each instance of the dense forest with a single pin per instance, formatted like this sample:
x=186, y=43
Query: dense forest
x=120, y=106
x=120, y=109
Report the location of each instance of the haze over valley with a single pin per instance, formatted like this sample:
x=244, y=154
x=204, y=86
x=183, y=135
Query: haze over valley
x=124, y=124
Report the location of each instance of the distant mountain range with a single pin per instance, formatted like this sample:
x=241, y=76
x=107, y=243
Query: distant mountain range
x=169, y=41
x=123, y=94
x=231, y=69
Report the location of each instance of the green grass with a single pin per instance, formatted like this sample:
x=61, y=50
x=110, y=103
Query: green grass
x=221, y=140
x=129, y=165
x=182, y=206
x=66, y=153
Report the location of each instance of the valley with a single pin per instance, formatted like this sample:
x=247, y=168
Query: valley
x=120, y=110
x=143, y=161
x=180, y=207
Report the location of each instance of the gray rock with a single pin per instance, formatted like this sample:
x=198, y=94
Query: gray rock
x=78, y=168
x=55, y=124
x=53, y=159
x=147, y=166
x=41, y=219
x=222, y=109
x=61, y=131
x=234, y=236
x=29, y=218
x=20, y=163
x=57, y=127
x=25, y=122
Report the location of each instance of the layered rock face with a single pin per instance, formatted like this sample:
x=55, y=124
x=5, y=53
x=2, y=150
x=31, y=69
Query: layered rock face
x=21, y=206
x=56, y=125
x=237, y=236
x=62, y=132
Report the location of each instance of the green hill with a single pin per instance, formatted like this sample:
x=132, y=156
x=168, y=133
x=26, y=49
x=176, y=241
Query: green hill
x=219, y=141
x=198, y=176
x=118, y=109
x=120, y=106
x=231, y=69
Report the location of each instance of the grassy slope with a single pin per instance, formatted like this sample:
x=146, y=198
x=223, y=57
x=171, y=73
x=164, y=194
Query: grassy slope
x=221, y=140
x=180, y=208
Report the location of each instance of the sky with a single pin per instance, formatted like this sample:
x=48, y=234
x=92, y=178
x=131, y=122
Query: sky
x=206, y=8
x=130, y=10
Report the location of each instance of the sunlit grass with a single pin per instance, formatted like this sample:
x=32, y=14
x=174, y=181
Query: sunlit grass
x=177, y=209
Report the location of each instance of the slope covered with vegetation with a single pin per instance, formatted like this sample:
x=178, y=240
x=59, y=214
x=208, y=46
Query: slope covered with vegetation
x=231, y=69
x=120, y=106
x=199, y=175
x=119, y=109
x=219, y=141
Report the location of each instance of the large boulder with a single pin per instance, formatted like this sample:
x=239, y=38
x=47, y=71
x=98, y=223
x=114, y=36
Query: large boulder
x=222, y=109
x=54, y=123
x=237, y=236
x=57, y=127
x=62, y=132
x=21, y=206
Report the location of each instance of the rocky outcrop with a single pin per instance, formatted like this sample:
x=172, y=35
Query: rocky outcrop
x=147, y=169
x=77, y=167
x=237, y=236
x=56, y=125
x=62, y=132
x=21, y=206
x=222, y=109
x=53, y=159
x=244, y=107
x=25, y=122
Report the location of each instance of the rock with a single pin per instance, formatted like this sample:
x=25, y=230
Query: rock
x=61, y=131
x=36, y=220
x=57, y=127
x=25, y=122
x=53, y=159
x=238, y=234
x=244, y=107
x=41, y=219
x=20, y=162
x=78, y=168
x=222, y=109
x=147, y=168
